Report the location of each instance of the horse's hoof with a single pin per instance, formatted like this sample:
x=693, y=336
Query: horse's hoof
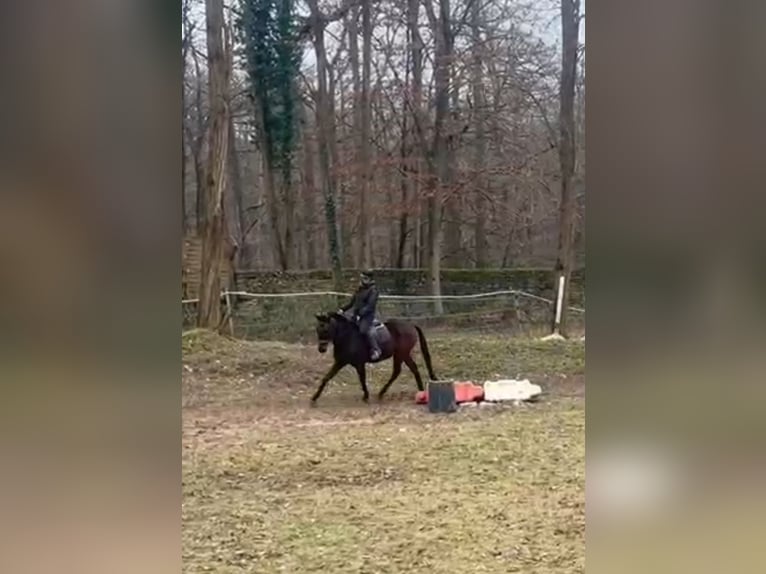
x=366, y=399
x=313, y=403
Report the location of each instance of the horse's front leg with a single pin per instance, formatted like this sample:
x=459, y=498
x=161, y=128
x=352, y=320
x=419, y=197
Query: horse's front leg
x=362, y=372
x=330, y=374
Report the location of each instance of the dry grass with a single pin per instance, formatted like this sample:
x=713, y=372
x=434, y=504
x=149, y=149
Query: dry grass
x=273, y=486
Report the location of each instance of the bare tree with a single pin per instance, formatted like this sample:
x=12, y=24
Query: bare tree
x=357, y=173
x=405, y=150
x=335, y=90
x=480, y=142
x=309, y=191
x=209, y=309
x=234, y=207
x=570, y=19
x=418, y=123
x=440, y=168
x=324, y=130
x=197, y=136
x=233, y=193
x=186, y=39
x=364, y=144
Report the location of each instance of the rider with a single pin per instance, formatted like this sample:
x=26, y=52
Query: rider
x=362, y=307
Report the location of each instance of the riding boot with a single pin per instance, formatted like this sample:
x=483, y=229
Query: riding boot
x=374, y=348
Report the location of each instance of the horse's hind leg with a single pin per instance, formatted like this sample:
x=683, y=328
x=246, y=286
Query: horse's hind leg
x=394, y=374
x=413, y=366
x=330, y=374
x=361, y=370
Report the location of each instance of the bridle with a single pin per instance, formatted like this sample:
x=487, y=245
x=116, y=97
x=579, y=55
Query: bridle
x=324, y=342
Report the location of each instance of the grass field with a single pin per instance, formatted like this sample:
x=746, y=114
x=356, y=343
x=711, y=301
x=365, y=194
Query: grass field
x=271, y=485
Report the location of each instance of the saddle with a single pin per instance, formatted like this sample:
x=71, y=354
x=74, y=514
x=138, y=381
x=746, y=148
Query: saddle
x=381, y=333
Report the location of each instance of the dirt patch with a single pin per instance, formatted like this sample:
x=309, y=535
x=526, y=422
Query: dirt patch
x=226, y=372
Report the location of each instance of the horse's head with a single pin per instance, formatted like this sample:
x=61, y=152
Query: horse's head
x=324, y=331
x=331, y=326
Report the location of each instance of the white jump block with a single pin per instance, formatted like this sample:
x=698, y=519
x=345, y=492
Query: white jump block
x=510, y=390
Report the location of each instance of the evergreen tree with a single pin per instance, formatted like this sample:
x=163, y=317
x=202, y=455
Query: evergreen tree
x=268, y=33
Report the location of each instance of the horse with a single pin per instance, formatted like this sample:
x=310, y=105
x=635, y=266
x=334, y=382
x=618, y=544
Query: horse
x=350, y=347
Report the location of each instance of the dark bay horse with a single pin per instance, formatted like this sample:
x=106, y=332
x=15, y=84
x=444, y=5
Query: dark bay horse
x=351, y=348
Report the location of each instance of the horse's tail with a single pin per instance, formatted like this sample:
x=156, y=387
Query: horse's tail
x=426, y=354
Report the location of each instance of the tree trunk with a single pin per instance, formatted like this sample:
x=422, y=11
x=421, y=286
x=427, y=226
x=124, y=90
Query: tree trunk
x=416, y=93
x=183, y=185
x=480, y=143
x=288, y=208
x=253, y=217
x=183, y=144
x=185, y=45
x=270, y=183
x=403, y=185
x=324, y=130
x=309, y=195
x=453, y=203
x=417, y=245
x=336, y=162
x=184, y=228
x=405, y=171
x=354, y=256
x=233, y=201
x=392, y=226
x=197, y=143
x=365, y=152
x=570, y=14
x=209, y=308
x=440, y=169
x=434, y=249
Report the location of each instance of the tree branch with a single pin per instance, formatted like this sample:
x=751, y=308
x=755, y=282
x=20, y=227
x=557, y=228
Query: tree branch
x=337, y=14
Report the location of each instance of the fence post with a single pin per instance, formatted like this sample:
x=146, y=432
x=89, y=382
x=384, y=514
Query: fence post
x=230, y=313
x=559, y=302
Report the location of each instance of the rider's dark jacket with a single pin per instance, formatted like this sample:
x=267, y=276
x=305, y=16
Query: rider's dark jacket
x=363, y=302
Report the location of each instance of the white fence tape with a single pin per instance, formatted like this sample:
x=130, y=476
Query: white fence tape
x=248, y=295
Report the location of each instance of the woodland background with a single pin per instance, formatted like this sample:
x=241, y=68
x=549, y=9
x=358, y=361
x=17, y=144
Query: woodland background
x=378, y=133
